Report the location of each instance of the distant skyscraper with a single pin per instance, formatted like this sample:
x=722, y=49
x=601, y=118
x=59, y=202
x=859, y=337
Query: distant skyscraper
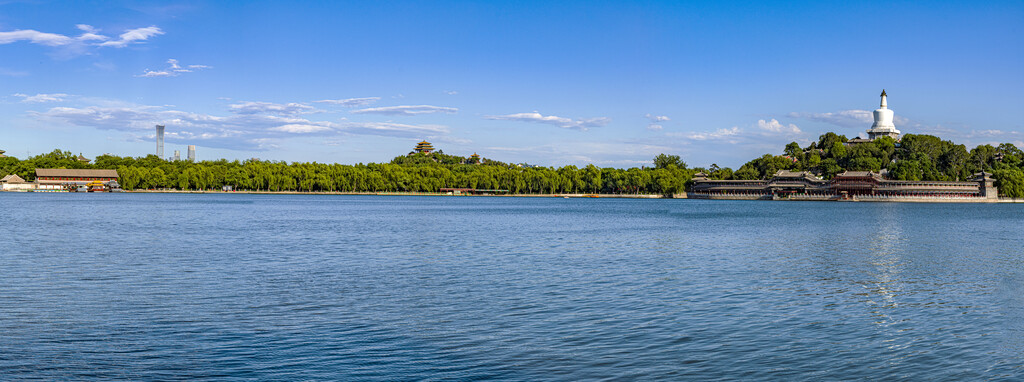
x=160, y=141
x=192, y=153
x=177, y=155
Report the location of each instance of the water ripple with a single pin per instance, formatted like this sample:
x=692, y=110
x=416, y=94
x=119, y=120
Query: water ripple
x=243, y=287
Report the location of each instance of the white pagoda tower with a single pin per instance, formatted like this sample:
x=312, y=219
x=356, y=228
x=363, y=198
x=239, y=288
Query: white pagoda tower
x=883, y=126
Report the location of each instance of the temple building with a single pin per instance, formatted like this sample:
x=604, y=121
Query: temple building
x=14, y=182
x=850, y=185
x=883, y=126
x=60, y=179
x=424, y=147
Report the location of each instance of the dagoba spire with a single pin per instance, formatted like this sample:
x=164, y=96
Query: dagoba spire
x=883, y=126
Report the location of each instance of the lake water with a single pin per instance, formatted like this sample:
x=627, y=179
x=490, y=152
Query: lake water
x=162, y=286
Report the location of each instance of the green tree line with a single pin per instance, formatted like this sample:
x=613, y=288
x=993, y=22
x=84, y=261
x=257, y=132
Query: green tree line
x=413, y=173
x=914, y=157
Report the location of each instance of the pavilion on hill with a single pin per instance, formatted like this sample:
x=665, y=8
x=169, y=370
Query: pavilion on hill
x=424, y=147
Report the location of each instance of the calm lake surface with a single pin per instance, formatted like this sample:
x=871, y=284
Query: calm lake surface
x=161, y=286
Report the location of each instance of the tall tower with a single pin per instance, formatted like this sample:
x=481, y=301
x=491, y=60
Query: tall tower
x=177, y=155
x=883, y=126
x=192, y=153
x=160, y=141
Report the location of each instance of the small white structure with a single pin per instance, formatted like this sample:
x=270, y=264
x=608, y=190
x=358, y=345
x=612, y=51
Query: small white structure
x=883, y=126
x=15, y=183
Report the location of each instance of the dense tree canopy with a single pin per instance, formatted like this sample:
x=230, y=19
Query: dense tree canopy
x=914, y=157
x=412, y=173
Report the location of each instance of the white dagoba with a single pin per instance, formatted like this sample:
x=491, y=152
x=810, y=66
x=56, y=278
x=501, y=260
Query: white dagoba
x=883, y=126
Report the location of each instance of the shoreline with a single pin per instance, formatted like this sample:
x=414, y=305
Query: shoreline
x=603, y=196
x=856, y=199
x=592, y=196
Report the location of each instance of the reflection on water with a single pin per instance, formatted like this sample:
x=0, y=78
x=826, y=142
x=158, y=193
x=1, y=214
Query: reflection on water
x=400, y=288
x=885, y=258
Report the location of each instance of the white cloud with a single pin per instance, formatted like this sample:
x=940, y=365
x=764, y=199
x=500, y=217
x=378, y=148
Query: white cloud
x=656, y=118
x=90, y=36
x=775, y=127
x=249, y=126
x=35, y=37
x=565, y=123
x=39, y=98
x=298, y=128
x=990, y=133
x=845, y=118
x=407, y=110
x=717, y=134
x=133, y=36
x=351, y=102
x=153, y=73
x=173, y=70
x=392, y=129
x=271, y=108
x=451, y=92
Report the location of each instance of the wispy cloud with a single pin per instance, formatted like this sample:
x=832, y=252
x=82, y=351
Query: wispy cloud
x=35, y=37
x=239, y=132
x=991, y=133
x=351, y=102
x=248, y=126
x=271, y=108
x=845, y=118
x=715, y=135
x=451, y=92
x=301, y=128
x=565, y=123
x=173, y=70
x=407, y=110
x=89, y=36
x=133, y=36
x=392, y=129
x=40, y=98
x=656, y=118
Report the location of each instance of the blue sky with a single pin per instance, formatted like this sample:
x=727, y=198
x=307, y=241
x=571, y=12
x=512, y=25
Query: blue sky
x=550, y=83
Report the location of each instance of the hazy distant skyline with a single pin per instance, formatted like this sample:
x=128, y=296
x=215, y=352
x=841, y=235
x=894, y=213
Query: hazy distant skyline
x=549, y=83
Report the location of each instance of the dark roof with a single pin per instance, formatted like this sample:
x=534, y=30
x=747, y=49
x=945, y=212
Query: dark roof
x=76, y=173
x=858, y=174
